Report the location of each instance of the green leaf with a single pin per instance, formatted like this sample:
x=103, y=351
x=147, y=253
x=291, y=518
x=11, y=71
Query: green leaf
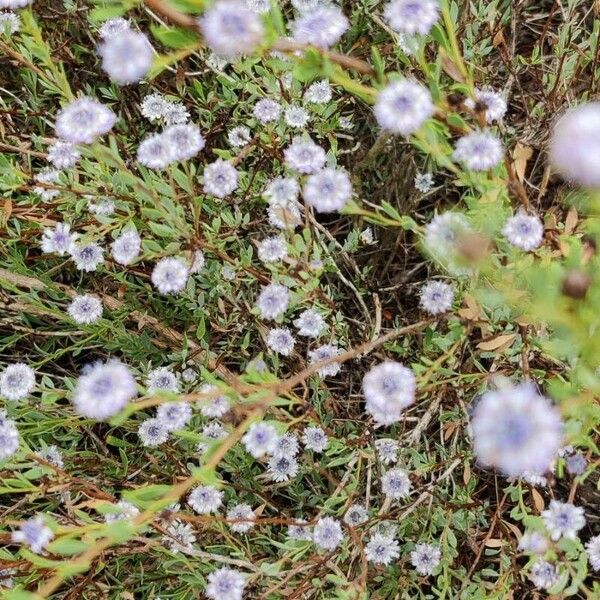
x=174, y=37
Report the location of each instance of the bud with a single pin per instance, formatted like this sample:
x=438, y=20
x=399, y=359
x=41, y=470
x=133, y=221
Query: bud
x=576, y=284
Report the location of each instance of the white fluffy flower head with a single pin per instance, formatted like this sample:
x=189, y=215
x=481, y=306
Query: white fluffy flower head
x=220, y=178
x=205, y=499
x=170, y=275
x=126, y=248
x=126, y=56
x=479, y=150
x=381, y=549
x=524, y=231
x=322, y=27
x=403, y=106
x=260, y=439
x=436, y=297
x=85, y=309
x=425, y=558
x=17, y=381
x=273, y=301
x=225, y=584
x=396, y=484
x=412, y=16
x=83, y=121
x=328, y=190
x=304, y=156
x=562, y=519
x=327, y=534
x=281, y=341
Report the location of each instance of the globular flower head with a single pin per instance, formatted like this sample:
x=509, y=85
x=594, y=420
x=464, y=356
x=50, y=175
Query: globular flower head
x=296, y=116
x=272, y=249
x=387, y=450
x=267, y=110
x=273, y=301
x=479, y=150
x=126, y=248
x=259, y=6
x=310, y=323
x=322, y=27
x=104, y=390
x=205, y=499
x=85, y=309
x=282, y=191
x=34, y=533
x=260, y=439
x=231, y=29
x=220, y=178
x=104, y=207
x=113, y=27
x=185, y=140
x=179, y=537
x=126, y=56
x=156, y=152
x=53, y=455
x=304, y=156
x=299, y=531
x=162, y=379
x=241, y=517
x=425, y=558
x=326, y=352
x=318, y=93
x=524, y=231
x=412, y=17
x=214, y=407
x=424, y=182
x=225, y=584
x=239, y=136
x=214, y=431
x=83, y=121
x=281, y=341
x=47, y=176
x=492, y=103
x=315, y=439
x=63, y=155
x=17, y=381
x=575, y=145
x=543, y=574
x=388, y=389
x=327, y=534
x=592, y=549
x=287, y=445
x=516, y=430
x=403, y=106
x=87, y=257
x=534, y=542
x=436, y=297
x=122, y=511
x=563, y=520
x=153, y=106
x=9, y=439
x=153, y=432
x=170, y=275
x=328, y=190
x=396, y=484
x=9, y=23
x=356, y=515
x=174, y=415
x=58, y=240
x=175, y=113
x=382, y=550
x=282, y=467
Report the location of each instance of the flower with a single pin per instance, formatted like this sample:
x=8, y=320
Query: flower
x=387, y=450
x=35, y=533
x=424, y=182
x=563, y=520
x=162, y=379
x=576, y=464
x=319, y=92
x=412, y=16
x=282, y=191
x=356, y=515
x=17, y=381
x=403, y=106
x=231, y=29
x=259, y=6
x=281, y=340
x=52, y=455
x=322, y=27
x=225, y=584
x=87, y=257
x=205, y=499
x=126, y=248
x=381, y=549
x=310, y=323
x=174, y=415
x=479, y=151
x=104, y=207
x=315, y=439
x=592, y=549
x=524, y=231
x=122, y=511
x=153, y=106
x=153, y=432
x=575, y=145
x=198, y=261
x=425, y=558
x=296, y=116
x=179, y=537
x=326, y=352
x=59, y=240
x=9, y=439
x=216, y=407
x=273, y=301
x=305, y=5
x=299, y=531
x=287, y=445
x=396, y=484
x=63, y=155
x=220, y=178
x=113, y=27
x=6, y=580
x=47, y=176
x=493, y=103
x=436, y=297
x=242, y=513
x=214, y=430
x=104, y=390
x=328, y=190
x=543, y=574
x=85, y=309
x=388, y=389
x=175, y=113
x=272, y=249
x=284, y=216
x=267, y=110
x=260, y=439
x=533, y=542
x=9, y=23
x=443, y=233
x=14, y=3
x=304, y=155
x=516, y=430
x=185, y=140
x=282, y=467
x=239, y=136
x=327, y=534
x=156, y=152
x=126, y=56
x=83, y=121
x=170, y=275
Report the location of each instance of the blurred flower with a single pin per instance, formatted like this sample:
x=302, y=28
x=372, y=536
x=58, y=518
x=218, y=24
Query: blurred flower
x=273, y=301
x=326, y=352
x=225, y=584
x=425, y=558
x=327, y=534
x=412, y=16
x=543, y=575
x=63, y=155
x=17, y=381
x=282, y=191
x=113, y=27
x=156, y=152
x=310, y=323
x=126, y=248
x=245, y=515
x=87, y=257
x=162, y=379
x=319, y=92
x=272, y=249
x=592, y=549
x=403, y=106
x=524, y=231
x=53, y=455
x=493, y=103
x=174, y=415
x=304, y=155
x=220, y=178
x=239, y=136
x=84, y=120
x=260, y=439
x=315, y=439
x=267, y=110
x=205, y=499
x=322, y=27
x=58, y=240
x=9, y=439
x=396, y=484
x=185, y=140
x=85, y=309
x=328, y=190
x=356, y=515
x=387, y=450
x=10, y=23
x=296, y=116
x=563, y=520
x=170, y=275
x=34, y=533
x=479, y=151
x=179, y=537
x=124, y=511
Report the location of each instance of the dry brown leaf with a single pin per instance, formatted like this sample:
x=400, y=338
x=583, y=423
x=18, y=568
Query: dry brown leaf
x=571, y=220
x=503, y=342
x=493, y=543
x=521, y=154
x=514, y=529
x=450, y=68
x=538, y=501
x=467, y=474
x=6, y=211
x=472, y=312
x=499, y=39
